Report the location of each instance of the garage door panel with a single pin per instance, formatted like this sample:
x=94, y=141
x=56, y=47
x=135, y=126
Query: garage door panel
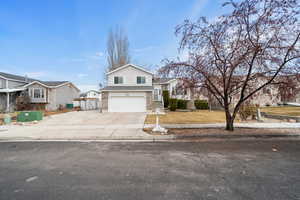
x=127, y=104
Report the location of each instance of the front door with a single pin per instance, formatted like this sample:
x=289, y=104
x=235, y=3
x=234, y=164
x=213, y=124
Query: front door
x=157, y=95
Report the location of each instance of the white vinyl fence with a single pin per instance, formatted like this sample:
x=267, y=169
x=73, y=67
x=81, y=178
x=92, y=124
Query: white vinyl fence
x=87, y=103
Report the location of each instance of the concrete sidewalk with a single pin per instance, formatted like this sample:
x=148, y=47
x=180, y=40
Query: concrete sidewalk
x=113, y=132
x=92, y=125
x=237, y=125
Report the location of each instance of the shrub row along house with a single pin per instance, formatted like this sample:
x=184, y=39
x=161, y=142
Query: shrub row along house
x=48, y=95
x=131, y=88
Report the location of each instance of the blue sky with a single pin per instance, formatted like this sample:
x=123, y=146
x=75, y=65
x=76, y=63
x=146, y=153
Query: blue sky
x=66, y=39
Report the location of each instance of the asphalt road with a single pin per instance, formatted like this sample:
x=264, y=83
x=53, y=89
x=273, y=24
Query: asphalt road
x=205, y=170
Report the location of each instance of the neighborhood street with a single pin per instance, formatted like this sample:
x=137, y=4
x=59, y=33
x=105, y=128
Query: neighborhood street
x=223, y=169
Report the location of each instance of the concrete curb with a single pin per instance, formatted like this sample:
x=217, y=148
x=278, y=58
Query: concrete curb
x=87, y=141
x=156, y=138
x=170, y=138
x=235, y=136
x=149, y=138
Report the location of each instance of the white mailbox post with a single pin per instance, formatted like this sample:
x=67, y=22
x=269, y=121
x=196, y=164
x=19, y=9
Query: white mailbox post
x=157, y=127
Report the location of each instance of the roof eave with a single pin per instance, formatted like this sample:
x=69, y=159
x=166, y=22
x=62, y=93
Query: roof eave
x=127, y=90
x=127, y=65
x=6, y=90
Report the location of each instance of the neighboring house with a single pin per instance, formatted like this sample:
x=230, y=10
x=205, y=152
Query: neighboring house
x=91, y=94
x=131, y=88
x=49, y=95
x=173, y=86
x=270, y=95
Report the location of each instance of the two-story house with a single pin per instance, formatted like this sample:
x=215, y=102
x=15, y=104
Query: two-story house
x=131, y=88
x=49, y=95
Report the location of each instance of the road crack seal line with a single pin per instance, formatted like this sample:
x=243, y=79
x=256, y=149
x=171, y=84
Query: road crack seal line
x=31, y=179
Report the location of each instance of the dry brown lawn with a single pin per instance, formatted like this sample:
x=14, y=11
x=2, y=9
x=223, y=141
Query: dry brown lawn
x=283, y=110
x=48, y=113
x=11, y=114
x=201, y=116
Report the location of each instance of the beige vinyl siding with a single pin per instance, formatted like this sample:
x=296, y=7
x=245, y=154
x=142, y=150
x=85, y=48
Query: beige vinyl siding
x=130, y=75
x=61, y=96
x=15, y=84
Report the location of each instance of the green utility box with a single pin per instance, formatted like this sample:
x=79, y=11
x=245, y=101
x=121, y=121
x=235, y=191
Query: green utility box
x=29, y=116
x=69, y=106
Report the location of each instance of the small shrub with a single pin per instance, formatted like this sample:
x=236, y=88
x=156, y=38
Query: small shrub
x=182, y=104
x=173, y=104
x=201, y=104
x=166, y=97
x=246, y=111
x=23, y=103
x=61, y=107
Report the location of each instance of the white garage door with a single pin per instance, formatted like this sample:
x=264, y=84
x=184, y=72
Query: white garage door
x=127, y=104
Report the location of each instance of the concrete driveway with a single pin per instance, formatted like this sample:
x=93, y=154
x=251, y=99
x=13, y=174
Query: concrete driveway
x=83, y=125
x=94, y=118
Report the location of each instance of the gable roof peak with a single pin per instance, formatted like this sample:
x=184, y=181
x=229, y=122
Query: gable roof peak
x=129, y=65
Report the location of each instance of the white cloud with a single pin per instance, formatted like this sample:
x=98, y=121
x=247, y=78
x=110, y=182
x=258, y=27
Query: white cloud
x=85, y=88
x=144, y=49
x=72, y=60
x=87, y=58
x=40, y=74
x=81, y=75
x=96, y=56
x=94, y=66
x=198, y=6
x=99, y=54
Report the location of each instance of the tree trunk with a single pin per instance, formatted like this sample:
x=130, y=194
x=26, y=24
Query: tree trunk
x=229, y=120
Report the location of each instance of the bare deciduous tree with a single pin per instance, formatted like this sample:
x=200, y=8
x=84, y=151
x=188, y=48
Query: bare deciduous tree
x=238, y=54
x=117, y=49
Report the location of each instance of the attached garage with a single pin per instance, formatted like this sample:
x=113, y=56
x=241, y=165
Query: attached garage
x=127, y=102
x=126, y=99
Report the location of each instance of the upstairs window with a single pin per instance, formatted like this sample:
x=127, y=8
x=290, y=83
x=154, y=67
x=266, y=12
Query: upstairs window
x=118, y=80
x=141, y=80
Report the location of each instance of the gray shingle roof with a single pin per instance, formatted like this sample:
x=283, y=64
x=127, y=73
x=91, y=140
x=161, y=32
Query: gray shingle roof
x=53, y=83
x=17, y=77
x=127, y=88
x=27, y=80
